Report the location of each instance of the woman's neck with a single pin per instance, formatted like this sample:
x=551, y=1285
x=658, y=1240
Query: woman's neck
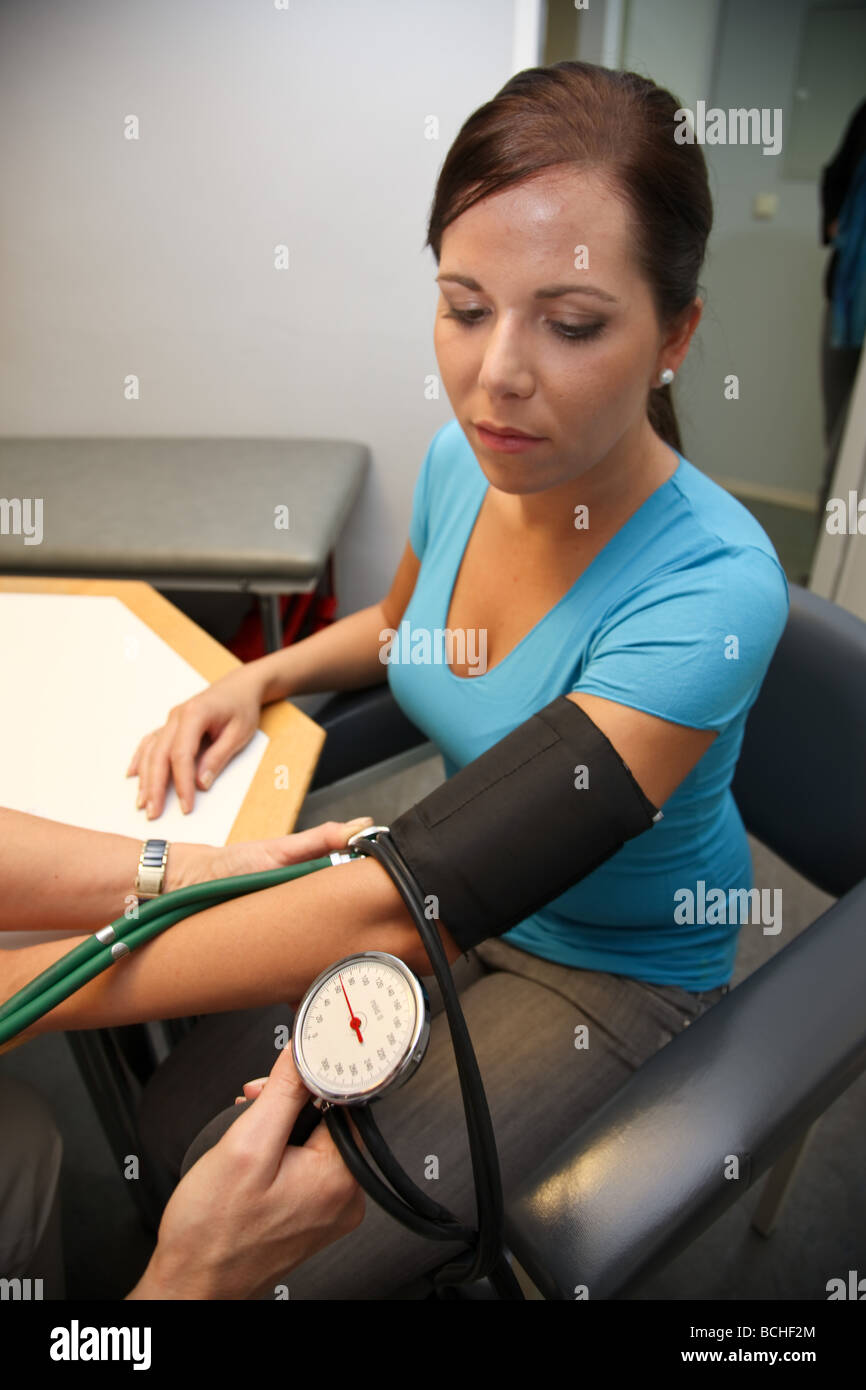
x=611, y=492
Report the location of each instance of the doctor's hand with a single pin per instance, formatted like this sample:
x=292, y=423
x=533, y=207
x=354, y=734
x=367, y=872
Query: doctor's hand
x=254, y=856
x=225, y=716
x=189, y=863
x=253, y=1207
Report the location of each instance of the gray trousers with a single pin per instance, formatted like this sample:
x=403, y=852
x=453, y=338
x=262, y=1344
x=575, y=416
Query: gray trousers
x=523, y=1015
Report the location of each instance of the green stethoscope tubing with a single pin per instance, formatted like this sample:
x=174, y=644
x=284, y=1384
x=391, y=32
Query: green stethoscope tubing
x=89, y=958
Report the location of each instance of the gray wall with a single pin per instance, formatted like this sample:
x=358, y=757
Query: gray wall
x=258, y=126
x=763, y=278
x=673, y=42
x=307, y=127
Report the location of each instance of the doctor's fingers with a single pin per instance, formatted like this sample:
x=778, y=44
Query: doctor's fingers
x=251, y=1090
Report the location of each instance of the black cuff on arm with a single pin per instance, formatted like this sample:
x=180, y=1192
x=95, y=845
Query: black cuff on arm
x=522, y=823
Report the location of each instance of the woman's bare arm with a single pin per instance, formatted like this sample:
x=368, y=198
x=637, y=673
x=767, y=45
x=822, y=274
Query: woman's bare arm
x=261, y=949
x=344, y=655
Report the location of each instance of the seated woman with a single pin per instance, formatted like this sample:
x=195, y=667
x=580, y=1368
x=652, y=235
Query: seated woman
x=595, y=562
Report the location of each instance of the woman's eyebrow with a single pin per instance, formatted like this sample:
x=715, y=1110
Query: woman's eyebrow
x=546, y=291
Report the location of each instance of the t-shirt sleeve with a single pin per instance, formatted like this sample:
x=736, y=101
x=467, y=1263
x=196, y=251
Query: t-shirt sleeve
x=420, y=519
x=692, y=644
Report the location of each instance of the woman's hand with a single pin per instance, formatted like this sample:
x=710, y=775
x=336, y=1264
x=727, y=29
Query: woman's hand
x=253, y=1207
x=227, y=714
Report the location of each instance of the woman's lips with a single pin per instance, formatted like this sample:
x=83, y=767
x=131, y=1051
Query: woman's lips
x=507, y=443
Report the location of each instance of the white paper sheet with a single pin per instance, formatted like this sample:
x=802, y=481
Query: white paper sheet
x=82, y=679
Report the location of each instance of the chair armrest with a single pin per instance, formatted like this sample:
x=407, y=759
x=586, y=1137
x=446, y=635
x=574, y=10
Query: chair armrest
x=641, y=1179
x=364, y=727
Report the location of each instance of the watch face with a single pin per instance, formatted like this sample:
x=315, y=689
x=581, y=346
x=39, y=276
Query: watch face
x=361, y=1028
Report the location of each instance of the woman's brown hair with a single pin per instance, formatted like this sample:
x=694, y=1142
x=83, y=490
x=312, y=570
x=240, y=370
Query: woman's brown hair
x=616, y=123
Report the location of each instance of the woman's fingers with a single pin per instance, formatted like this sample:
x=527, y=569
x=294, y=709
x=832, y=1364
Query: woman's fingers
x=138, y=766
x=235, y=736
x=146, y=777
x=159, y=768
x=182, y=756
x=169, y=755
x=143, y=771
x=133, y=766
x=227, y=712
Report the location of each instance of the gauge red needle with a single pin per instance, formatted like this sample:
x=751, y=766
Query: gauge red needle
x=354, y=1022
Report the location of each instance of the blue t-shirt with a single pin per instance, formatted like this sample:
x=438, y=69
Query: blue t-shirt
x=678, y=615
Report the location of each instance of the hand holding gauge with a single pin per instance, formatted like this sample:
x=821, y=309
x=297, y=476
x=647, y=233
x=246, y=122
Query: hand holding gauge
x=361, y=1029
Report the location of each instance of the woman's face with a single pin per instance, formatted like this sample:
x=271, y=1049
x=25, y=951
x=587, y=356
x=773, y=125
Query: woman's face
x=573, y=367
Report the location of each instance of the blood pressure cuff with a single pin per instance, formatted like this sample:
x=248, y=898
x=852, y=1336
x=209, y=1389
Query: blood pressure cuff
x=522, y=823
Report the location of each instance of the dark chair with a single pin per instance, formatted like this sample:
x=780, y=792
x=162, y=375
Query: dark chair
x=645, y=1176
x=639, y=1181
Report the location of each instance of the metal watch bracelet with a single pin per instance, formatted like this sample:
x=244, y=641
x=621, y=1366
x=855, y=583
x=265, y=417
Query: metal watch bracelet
x=151, y=869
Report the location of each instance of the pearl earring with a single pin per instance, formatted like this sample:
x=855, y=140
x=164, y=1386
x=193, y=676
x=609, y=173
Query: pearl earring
x=666, y=376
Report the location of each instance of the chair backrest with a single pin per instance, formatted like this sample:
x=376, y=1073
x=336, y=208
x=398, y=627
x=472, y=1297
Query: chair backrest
x=800, y=782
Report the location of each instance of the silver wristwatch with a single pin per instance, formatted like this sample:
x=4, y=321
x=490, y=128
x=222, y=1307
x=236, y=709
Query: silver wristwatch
x=151, y=869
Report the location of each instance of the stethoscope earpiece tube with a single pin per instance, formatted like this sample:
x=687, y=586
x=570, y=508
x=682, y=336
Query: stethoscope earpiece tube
x=400, y=1180
x=338, y=1125
x=487, y=1258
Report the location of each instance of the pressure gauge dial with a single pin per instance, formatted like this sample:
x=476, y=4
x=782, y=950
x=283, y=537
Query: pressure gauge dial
x=361, y=1028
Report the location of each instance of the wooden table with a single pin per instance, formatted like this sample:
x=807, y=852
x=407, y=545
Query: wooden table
x=296, y=741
